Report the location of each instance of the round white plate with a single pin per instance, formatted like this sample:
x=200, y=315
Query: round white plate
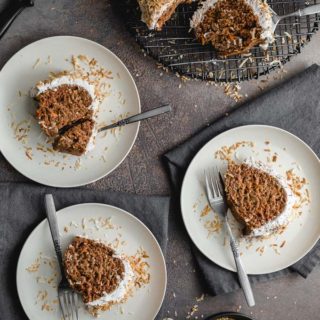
x=145, y=303
x=261, y=256
x=34, y=63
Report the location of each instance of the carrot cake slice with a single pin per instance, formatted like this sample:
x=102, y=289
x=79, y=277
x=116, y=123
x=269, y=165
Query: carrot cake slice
x=233, y=26
x=258, y=197
x=77, y=139
x=66, y=112
x=95, y=271
x=155, y=13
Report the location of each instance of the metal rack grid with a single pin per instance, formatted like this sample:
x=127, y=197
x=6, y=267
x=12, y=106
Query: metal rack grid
x=175, y=48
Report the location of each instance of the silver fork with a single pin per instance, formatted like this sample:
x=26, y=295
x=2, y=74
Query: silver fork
x=68, y=298
x=217, y=200
x=299, y=13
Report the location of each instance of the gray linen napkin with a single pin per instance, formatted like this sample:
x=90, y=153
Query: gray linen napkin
x=22, y=208
x=293, y=106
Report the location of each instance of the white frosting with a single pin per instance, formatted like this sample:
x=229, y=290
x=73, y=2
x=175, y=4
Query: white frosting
x=260, y=9
x=92, y=141
x=284, y=218
x=120, y=292
x=69, y=80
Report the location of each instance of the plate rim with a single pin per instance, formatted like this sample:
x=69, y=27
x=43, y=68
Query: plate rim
x=59, y=212
x=91, y=42
x=193, y=160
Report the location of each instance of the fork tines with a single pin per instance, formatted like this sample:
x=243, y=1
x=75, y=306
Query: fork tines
x=68, y=300
x=213, y=183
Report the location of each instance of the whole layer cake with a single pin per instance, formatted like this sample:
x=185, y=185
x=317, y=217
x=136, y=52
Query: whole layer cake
x=233, y=26
x=258, y=197
x=95, y=271
x=66, y=112
x=155, y=13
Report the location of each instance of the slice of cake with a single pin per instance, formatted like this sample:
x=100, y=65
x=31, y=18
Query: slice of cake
x=258, y=197
x=66, y=111
x=233, y=26
x=95, y=271
x=77, y=139
x=155, y=13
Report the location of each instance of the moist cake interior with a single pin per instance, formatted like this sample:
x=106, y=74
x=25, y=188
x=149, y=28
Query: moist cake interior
x=61, y=107
x=231, y=27
x=254, y=196
x=92, y=269
x=65, y=113
x=75, y=139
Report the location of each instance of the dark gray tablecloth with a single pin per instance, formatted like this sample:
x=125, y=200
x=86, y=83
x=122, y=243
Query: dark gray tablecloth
x=293, y=106
x=21, y=209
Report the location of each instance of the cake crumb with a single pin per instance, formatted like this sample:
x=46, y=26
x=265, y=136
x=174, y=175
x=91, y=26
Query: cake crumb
x=193, y=310
x=201, y=298
x=205, y=211
x=36, y=64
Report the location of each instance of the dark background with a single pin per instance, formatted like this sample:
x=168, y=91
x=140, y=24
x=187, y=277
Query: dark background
x=195, y=105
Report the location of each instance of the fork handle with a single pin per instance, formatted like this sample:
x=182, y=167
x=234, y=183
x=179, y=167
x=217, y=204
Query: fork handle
x=11, y=12
x=139, y=117
x=54, y=229
x=303, y=12
x=243, y=277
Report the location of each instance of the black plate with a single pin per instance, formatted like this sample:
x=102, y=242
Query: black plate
x=232, y=315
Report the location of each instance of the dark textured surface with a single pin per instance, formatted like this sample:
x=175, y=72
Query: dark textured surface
x=195, y=105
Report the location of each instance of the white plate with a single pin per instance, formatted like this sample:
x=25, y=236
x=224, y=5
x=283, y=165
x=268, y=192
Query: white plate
x=21, y=73
x=301, y=234
x=145, y=303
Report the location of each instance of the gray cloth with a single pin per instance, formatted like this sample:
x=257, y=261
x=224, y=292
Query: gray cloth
x=22, y=208
x=293, y=106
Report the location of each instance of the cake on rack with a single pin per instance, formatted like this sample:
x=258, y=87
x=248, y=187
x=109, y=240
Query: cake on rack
x=66, y=112
x=98, y=274
x=258, y=197
x=155, y=13
x=233, y=26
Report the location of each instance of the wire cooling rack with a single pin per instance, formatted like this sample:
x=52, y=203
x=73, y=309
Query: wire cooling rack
x=175, y=47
